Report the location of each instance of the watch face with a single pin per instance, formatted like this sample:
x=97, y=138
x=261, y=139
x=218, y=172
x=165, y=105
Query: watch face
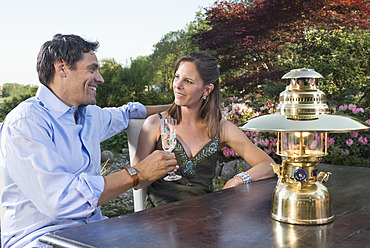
x=131, y=170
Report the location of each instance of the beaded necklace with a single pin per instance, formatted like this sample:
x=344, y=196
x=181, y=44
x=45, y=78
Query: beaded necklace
x=188, y=165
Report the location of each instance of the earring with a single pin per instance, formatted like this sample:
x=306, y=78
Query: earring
x=204, y=97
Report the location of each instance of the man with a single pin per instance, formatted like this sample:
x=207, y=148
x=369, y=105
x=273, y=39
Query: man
x=50, y=148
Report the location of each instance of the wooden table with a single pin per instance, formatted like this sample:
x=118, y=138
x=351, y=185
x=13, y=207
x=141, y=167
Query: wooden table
x=237, y=217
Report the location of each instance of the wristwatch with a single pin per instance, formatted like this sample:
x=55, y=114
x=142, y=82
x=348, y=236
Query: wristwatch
x=132, y=172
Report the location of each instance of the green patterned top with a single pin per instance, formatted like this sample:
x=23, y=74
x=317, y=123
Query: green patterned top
x=197, y=175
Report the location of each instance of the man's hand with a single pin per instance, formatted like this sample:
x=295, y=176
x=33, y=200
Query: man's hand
x=155, y=166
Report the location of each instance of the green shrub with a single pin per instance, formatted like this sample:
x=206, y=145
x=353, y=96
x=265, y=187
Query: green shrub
x=116, y=143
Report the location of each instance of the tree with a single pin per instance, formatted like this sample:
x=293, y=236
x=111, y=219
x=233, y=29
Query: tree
x=123, y=84
x=248, y=37
x=129, y=84
x=14, y=89
x=112, y=92
x=14, y=100
x=140, y=76
x=168, y=50
x=341, y=56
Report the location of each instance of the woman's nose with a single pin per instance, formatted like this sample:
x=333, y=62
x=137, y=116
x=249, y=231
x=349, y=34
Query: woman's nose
x=179, y=84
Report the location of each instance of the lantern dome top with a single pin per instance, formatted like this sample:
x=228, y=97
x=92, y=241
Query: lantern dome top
x=302, y=73
x=303, y=107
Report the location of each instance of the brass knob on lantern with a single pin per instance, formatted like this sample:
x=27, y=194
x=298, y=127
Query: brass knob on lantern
x=323, y=177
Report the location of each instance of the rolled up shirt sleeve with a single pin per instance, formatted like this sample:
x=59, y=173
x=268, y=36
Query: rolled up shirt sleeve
x=50, y=161
x=115, y=120
x=56, y=164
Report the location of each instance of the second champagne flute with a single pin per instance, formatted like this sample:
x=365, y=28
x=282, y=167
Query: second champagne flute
x=168, y=136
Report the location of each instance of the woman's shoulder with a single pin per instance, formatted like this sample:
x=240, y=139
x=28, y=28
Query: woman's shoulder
x=152, y=120
x=228, y=130
x=155, y=119
x=225, y=124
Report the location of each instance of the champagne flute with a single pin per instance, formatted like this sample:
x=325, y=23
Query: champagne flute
x=168, y=135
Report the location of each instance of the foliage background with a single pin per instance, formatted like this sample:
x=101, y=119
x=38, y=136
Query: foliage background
x=255, y=43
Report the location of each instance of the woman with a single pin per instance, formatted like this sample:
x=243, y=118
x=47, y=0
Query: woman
x=201, y=131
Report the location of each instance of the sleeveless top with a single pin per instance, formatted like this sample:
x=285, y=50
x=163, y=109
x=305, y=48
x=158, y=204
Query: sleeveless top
x=197, y=175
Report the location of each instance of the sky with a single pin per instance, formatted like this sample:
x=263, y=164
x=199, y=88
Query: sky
x=124, y=28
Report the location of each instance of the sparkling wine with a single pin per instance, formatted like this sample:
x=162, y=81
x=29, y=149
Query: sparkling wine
x=168, y=135
x=168, y=141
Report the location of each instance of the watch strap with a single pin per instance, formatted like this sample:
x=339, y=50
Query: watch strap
x=132, y=172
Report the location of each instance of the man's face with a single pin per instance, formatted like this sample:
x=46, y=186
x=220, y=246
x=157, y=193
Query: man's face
x=81, y=83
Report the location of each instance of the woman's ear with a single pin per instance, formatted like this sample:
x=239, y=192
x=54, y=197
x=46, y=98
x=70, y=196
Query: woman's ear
x=209, y=88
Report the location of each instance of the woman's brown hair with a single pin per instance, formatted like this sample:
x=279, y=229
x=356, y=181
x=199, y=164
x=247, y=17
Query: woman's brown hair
x=210, y=111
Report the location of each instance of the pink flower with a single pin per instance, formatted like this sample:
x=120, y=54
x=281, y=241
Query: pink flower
x=226, y=152
x=343, y=107
x=354, y=134
x=268, y=150
x=344, y=152
x=352, y=107
x=363, y=140
x=229, y=152
x=356, y=110
x=331, y=141
x=368, y=121
x=349, y=142
x=313, y=145
x=263, y=108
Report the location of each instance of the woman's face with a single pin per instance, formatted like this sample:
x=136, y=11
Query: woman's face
x=188, y=86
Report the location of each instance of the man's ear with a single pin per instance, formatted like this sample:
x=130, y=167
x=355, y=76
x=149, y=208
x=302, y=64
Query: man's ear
x=60, y=68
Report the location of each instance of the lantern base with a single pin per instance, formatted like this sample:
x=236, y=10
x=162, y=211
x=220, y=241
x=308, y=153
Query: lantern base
x=302, y=203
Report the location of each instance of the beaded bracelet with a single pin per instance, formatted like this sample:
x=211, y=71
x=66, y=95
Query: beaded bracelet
x=245, y=177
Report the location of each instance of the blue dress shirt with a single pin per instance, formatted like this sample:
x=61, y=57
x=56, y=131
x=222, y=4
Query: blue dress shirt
x=50, y=165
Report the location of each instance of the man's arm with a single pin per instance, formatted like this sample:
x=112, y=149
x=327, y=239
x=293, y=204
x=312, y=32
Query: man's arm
x=153, y=167
x=151, y=110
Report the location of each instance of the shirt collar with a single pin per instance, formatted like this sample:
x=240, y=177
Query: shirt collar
x=52, y=102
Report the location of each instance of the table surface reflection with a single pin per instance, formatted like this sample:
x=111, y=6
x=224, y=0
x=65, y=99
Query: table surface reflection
x=237, y=217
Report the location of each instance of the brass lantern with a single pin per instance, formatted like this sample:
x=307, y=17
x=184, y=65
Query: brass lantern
x=302, y=121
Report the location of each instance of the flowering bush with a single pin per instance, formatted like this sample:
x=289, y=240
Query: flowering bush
x=238, y=111
x=350, y=148
x=343, y=148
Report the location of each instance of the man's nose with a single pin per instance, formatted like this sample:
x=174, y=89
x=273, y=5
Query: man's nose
x=99, y=78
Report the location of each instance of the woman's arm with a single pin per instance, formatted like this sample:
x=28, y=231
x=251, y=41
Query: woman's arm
x=152, y=109
x=148, y=137
x=253, y=155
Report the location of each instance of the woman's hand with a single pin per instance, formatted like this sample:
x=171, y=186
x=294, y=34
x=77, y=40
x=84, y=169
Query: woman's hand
x=233, y=182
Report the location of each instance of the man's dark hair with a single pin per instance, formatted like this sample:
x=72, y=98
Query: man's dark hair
x=68, y=48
